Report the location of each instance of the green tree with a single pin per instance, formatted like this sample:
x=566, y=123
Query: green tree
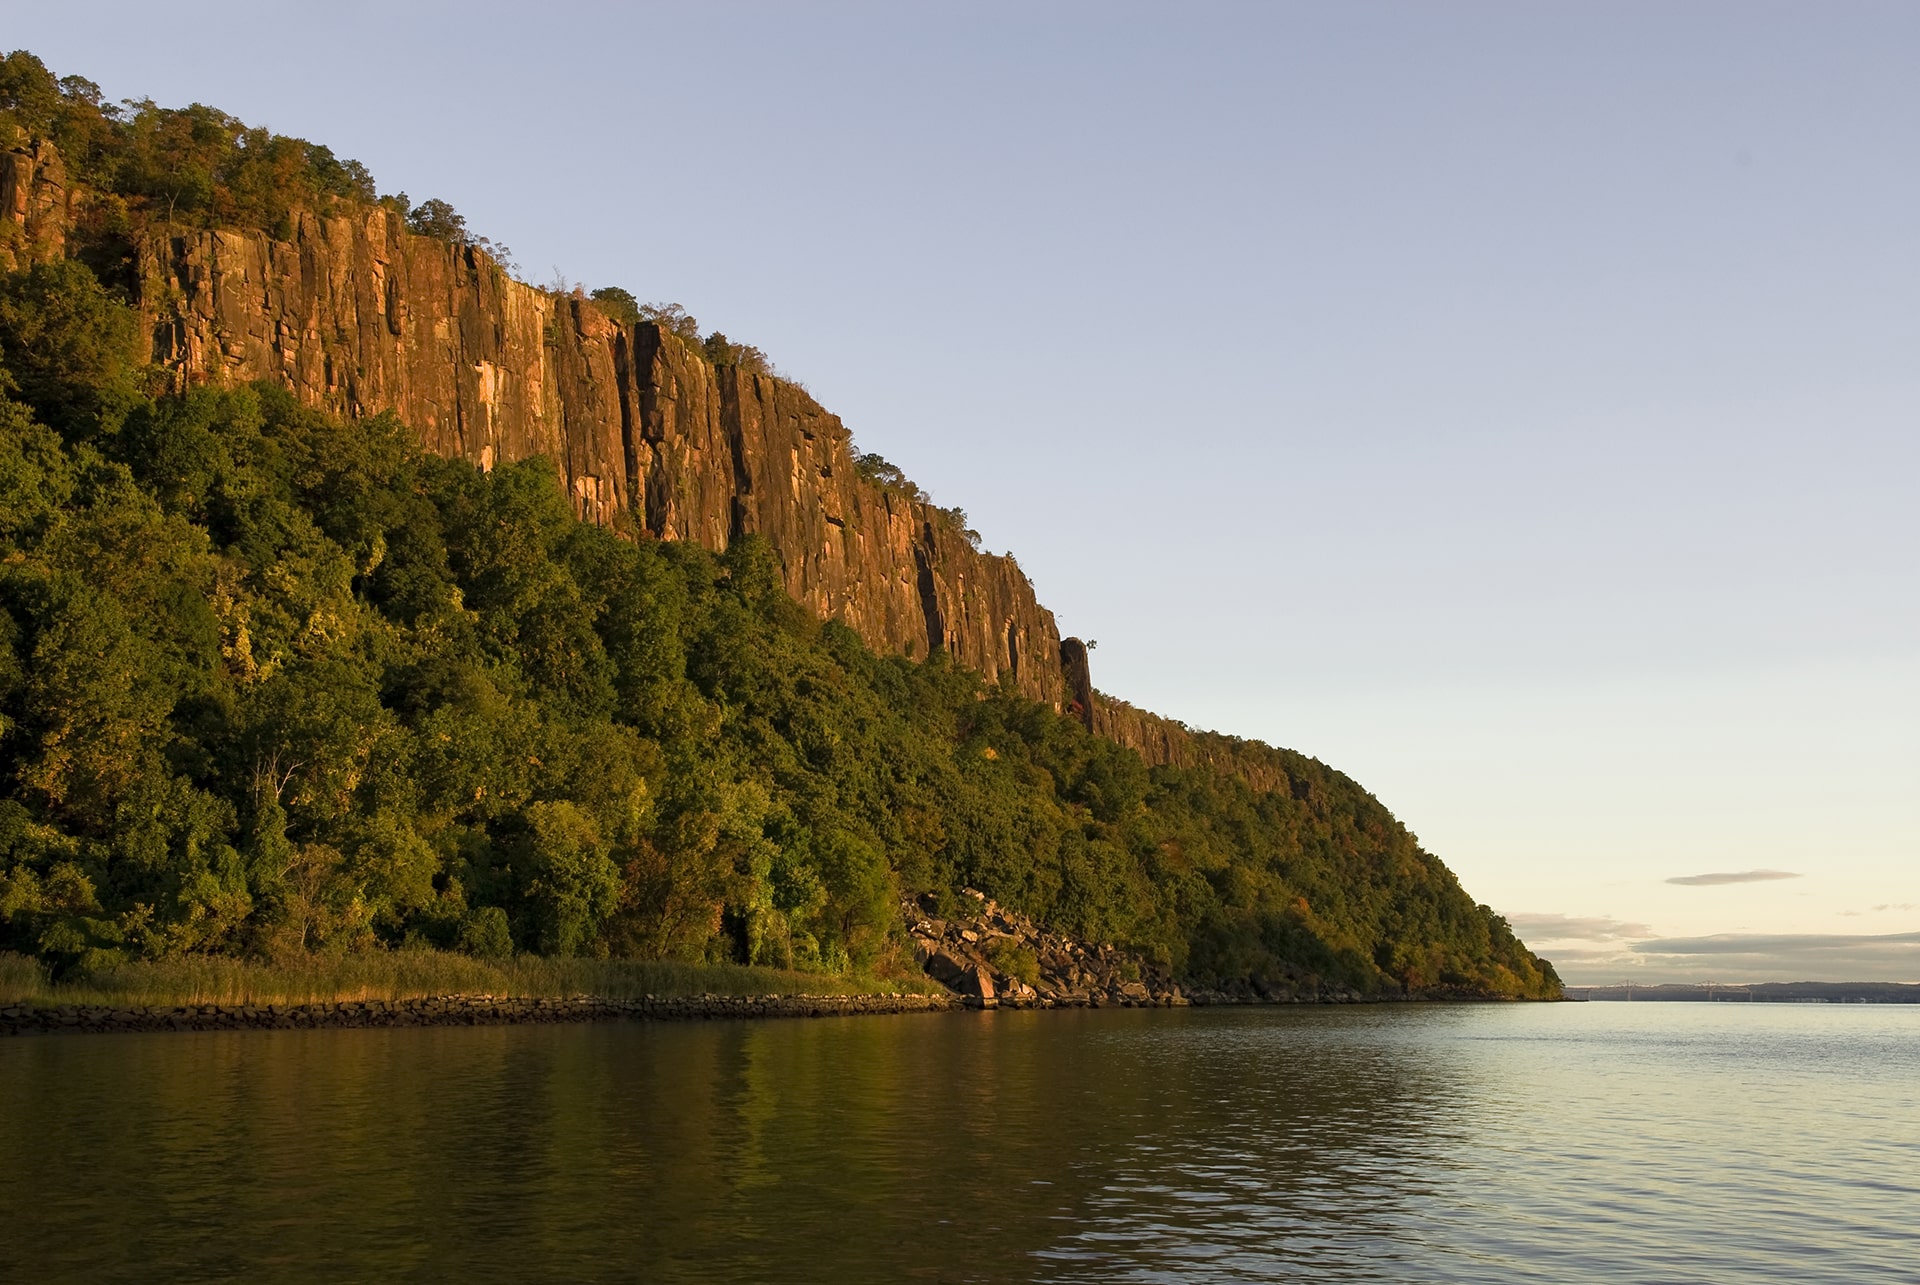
x=618, y=304
x=571, y=884
x=71, y=349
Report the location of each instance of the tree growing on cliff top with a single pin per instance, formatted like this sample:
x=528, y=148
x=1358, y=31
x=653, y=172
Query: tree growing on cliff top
x=438, y=219
x=722, y=351
x=618, y=304
x=878, y=471
x=623, y=307
x=671, y=317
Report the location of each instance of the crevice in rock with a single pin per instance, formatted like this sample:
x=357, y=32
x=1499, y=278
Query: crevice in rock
x=929, y=599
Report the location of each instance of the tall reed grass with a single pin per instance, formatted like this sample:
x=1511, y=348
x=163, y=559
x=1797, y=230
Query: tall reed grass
x=20, y=977
x=414, y=974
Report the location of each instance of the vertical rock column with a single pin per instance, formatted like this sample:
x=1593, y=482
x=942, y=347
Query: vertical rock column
x=1078, y=678
x=34, y=200
x=358, y=316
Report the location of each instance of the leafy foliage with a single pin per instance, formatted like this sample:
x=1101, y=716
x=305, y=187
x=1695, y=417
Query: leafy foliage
x=194, y=166
x=875, y=470
x=619, y=304
x=273, y=684
x=670, y=317
x=70, y=347
x=438, y=219
x=722, y=351
x=624, y=307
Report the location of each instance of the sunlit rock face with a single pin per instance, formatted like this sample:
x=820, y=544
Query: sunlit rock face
x=36, y=205
x=356, y=315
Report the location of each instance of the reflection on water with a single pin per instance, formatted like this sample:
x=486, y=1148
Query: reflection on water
x=1541, y=1143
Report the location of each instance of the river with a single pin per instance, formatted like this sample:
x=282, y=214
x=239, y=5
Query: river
x=1553, y=1143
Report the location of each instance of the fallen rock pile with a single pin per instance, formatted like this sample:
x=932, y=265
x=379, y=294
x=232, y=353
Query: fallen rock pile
x=998, y=958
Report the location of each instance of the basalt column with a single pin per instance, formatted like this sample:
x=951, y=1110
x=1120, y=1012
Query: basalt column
x=357, y=315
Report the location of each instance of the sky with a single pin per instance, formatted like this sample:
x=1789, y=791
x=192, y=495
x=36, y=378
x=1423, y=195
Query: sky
x=1515, y=406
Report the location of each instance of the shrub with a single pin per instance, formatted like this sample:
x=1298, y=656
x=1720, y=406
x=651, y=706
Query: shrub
x=1014, y=960
x=485, y=934
x=723, y=352
x=618, y=304
x=671, y=317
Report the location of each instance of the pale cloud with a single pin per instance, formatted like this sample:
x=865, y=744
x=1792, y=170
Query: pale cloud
x=1732, y=876
x=1734, y=957
x=1779, y=944
x=1564, y=958
x=1770, y=957
x=1544, y=927
x=1590, y=950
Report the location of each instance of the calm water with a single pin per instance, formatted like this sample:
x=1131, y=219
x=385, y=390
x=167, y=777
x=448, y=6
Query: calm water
x=1576, y=1142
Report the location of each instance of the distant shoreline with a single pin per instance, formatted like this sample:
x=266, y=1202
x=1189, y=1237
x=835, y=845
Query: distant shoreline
x=1753, y=993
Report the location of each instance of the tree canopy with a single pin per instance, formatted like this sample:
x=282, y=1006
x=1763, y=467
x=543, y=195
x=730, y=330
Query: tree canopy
x=271, y=682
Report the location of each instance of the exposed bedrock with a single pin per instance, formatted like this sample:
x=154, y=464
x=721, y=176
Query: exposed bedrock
x=358, y=316
x=35, y=201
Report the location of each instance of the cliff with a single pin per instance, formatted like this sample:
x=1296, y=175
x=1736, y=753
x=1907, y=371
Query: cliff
x=773, y=761
x=356, y=315
x=1163, y=741
x=36, y=205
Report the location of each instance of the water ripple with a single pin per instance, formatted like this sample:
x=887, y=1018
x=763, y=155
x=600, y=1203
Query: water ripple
x=1572, y=1143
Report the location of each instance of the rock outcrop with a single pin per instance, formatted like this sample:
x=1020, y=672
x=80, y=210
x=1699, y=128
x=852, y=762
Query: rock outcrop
x=998, y=958
x=993, y=957
x=35, y=201
x=1165, y=741
x=1077, y=676
x=356, y=315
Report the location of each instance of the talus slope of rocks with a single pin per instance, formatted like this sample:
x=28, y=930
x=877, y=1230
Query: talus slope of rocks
x=994, y=957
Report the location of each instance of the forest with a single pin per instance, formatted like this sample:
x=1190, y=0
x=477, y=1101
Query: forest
x=273, y=684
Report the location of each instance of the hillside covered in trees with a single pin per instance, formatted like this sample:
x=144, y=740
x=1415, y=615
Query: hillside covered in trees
x=274, y=683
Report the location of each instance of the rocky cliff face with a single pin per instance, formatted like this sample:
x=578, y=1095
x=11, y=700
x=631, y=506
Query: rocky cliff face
x=35, y=202
x=1163, y=741
x=358, y=316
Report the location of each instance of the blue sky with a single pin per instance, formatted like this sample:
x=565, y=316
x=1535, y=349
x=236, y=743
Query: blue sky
x=1513, y=405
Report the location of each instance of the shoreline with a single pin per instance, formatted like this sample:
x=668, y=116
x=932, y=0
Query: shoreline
x=446, y=1010
x=24, y=1019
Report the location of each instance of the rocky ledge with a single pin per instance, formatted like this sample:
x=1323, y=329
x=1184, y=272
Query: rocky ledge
x=449, y=1010
x=993, y=957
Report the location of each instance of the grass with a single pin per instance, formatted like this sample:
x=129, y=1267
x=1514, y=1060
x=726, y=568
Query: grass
x=413, y=974
x=20, y=977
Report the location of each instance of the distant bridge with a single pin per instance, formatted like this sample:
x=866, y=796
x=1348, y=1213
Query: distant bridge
x=1711, y=992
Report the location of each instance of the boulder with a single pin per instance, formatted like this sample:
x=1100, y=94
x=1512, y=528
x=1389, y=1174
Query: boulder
x=946, y=969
